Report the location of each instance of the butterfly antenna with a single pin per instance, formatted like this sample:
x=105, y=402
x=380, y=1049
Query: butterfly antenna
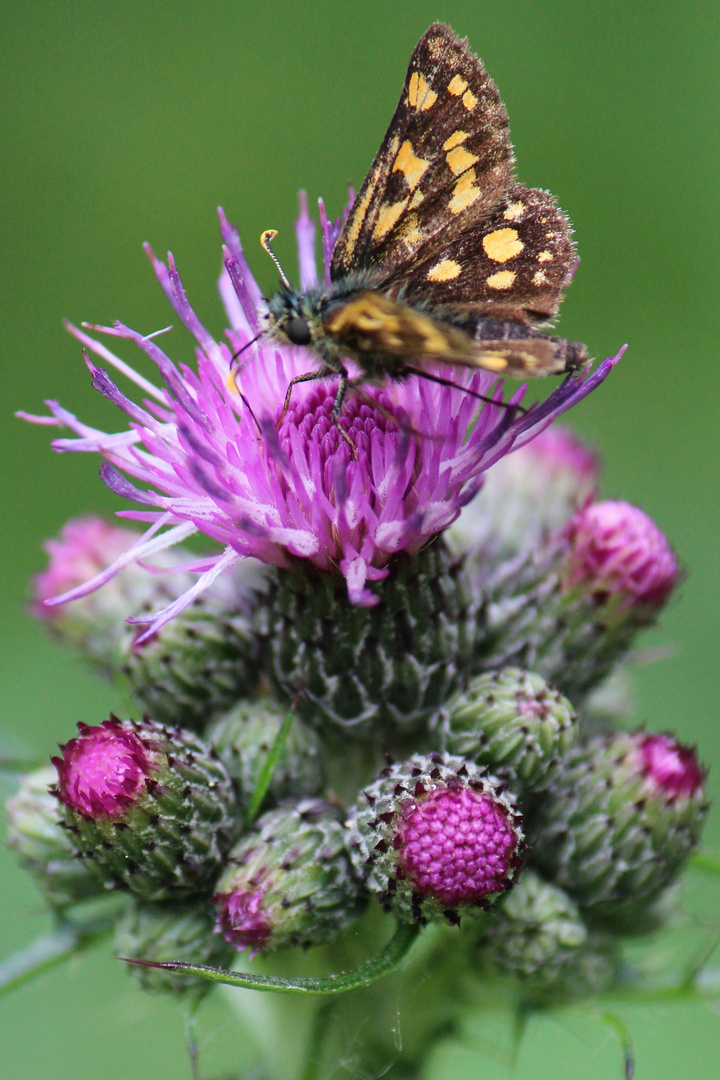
x=242, y=349
x=266, y=240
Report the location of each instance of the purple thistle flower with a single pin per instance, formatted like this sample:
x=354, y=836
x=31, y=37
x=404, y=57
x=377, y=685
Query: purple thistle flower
x=204, y=453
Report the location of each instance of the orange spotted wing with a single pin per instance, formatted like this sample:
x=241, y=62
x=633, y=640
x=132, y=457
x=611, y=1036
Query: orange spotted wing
x=440, y=225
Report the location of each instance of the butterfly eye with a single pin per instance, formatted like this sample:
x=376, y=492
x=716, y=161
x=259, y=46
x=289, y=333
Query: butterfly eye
x=297, y=331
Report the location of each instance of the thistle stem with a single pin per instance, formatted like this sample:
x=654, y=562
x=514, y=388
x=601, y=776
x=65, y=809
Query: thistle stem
x=48, y=952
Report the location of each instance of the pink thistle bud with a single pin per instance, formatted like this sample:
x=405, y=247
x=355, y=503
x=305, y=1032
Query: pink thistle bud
x=623, y=815
x=242, y=921
x=621, y=558
x=672, y=769
x=148, y=808
x=85, y=547
x=288, y=880
x=434, y=836
x=102, y=771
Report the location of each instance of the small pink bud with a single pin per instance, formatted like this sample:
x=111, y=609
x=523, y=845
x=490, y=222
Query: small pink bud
x=620, y=557
x=102, y=770
x=671, y=767
x=85, y=547
x=242, y=920
x=435, y=837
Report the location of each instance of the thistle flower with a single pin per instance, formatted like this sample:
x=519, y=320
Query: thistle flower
x=571, y=609
x=435, y=836
x=620, y=822
x=149, y=809
x=199, y=664
x=213, y=452
x=288, y=881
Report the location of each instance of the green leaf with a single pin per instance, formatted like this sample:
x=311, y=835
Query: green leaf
x=268, y=770
x=380, y=965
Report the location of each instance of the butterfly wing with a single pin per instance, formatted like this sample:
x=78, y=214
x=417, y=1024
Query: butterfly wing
x=514, y=265
x=376, y=330
x=445, y=162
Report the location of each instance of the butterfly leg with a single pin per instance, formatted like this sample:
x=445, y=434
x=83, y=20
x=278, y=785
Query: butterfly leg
x=343, y=386
x=309, y=376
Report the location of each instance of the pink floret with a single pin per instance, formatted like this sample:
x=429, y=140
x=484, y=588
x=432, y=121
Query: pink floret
x=673, y=768
x=458, y=846
x=102, y=771
x=241, y=920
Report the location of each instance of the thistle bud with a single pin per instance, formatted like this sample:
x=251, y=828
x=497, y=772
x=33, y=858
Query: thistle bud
x=43, y=846
x=384, y=668
x=200, y=662
x=571, y=610
x=243, y=739
x=618, y=557
x=622, y=818
x=513, y=722
x=539, y=939
x=435, y=836
x=165, y=932
x=288, y=881
x=147, y=807
x=527, y=495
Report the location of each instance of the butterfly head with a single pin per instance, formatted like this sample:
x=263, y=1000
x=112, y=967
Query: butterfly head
x=292, y=317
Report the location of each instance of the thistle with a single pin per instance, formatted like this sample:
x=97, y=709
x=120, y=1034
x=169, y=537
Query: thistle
x=436, y=836
x=158, y=933
x=513, y=722
x=43, y=846
x=288, y=881
x=200, y=663
x=147, y=807
x=571, y=610
x=621, y=821
x=539, y=938
x=217, y=463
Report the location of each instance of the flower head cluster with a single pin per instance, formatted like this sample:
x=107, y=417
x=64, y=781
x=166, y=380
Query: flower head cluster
x=210, y=451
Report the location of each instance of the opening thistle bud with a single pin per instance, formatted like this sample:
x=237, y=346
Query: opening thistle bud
x=434, y=836
x=620, y=557
x=147, y=807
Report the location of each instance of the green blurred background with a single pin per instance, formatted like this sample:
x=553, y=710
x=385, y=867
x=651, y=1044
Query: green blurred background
x=132, y=121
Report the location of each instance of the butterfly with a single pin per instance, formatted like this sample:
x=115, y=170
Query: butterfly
x=443, y=256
